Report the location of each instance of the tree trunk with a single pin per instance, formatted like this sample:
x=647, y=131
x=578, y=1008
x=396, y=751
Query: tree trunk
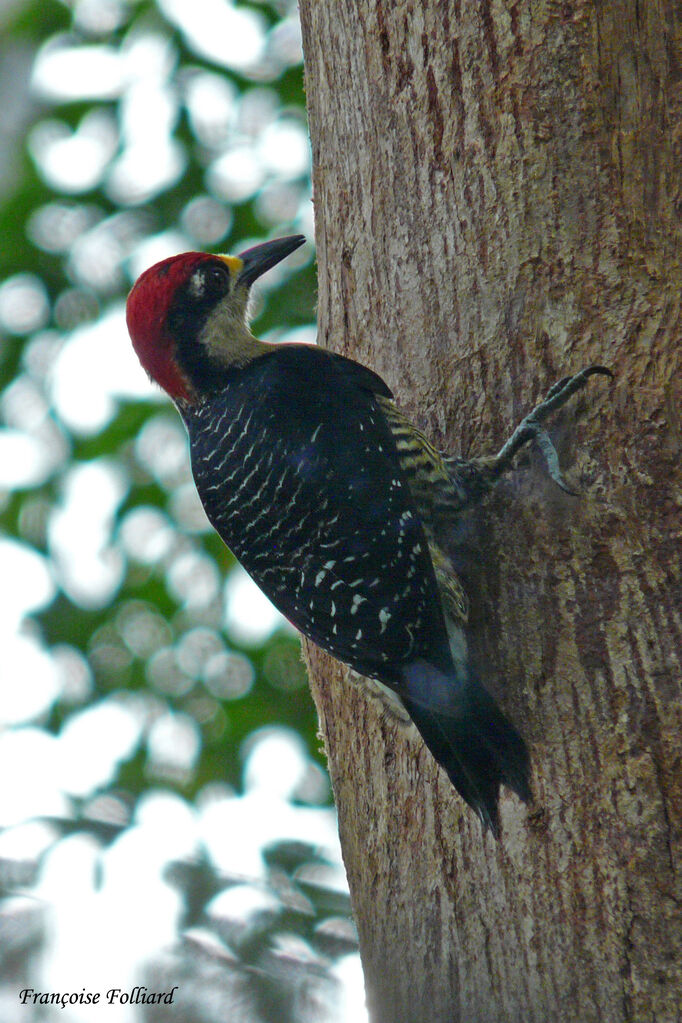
x=497, y=202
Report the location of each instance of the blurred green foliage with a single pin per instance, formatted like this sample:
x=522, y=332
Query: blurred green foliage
x=165, y=814
x=114, y=232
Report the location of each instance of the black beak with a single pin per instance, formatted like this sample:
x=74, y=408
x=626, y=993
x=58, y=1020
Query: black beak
x=263, y=257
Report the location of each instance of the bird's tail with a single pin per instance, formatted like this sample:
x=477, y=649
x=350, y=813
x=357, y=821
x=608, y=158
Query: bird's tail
x=469, y=736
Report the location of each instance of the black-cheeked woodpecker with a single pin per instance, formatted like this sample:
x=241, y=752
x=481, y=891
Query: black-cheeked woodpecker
x=335, y=503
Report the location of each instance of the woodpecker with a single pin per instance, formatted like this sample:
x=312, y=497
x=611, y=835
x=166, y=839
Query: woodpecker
x=335, y=503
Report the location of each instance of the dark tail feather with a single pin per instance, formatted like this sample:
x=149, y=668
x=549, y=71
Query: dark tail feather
x=471, y=738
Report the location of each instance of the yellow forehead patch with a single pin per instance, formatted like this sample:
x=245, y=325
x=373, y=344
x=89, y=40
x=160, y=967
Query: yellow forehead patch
x=233, y=263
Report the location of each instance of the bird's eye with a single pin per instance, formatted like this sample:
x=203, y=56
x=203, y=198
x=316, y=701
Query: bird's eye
x=210, y=282
x=217, y=277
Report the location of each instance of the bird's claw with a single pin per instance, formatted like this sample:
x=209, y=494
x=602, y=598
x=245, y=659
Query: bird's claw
x=530, y=428
x=560, y=392
x=549, y=453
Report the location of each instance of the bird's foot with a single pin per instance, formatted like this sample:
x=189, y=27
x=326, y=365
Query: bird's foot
x=531, y=428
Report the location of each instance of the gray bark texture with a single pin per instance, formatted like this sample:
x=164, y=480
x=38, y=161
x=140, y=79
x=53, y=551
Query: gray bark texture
x=498, y=190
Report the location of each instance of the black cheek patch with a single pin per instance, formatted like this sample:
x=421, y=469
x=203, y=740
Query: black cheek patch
x=185, y=322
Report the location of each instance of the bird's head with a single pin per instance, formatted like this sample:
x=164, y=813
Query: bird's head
x=188, y=316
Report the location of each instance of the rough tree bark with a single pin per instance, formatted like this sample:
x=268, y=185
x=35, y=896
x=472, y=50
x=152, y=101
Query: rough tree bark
x=497, y=201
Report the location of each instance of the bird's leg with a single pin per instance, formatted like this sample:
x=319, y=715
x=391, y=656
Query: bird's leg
x=530, y=428
x=478, y=475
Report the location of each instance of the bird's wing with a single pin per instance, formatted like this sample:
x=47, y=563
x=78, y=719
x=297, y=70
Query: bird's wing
x=298, y=473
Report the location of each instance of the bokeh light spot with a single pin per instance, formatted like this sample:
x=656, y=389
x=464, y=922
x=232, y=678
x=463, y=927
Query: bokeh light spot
x=228, y=676
x=249, y=616
x=74, y=161
x=24, y=307
x=216, y=29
